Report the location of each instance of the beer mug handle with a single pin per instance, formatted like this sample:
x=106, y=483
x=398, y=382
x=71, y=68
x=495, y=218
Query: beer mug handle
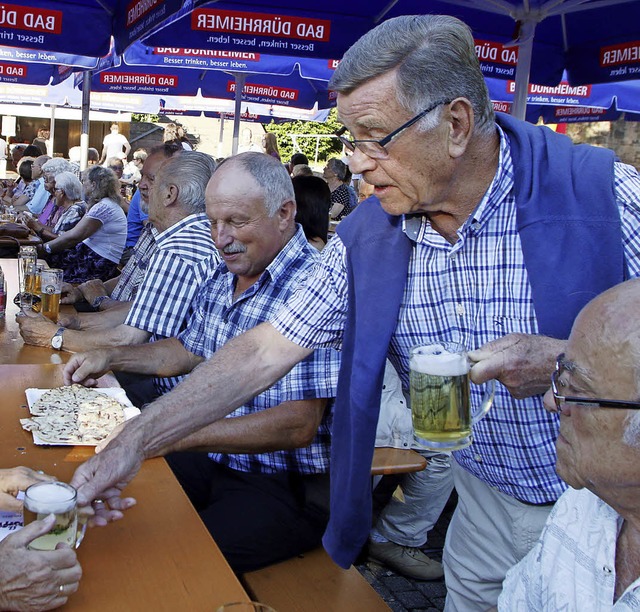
x=80, y=529
x=487, y=401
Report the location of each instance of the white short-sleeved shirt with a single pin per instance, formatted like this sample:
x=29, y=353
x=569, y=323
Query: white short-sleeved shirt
x=109, y=240
x=573, y=565
x=114, y=145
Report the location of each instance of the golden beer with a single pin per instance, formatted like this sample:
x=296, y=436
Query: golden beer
x=440, y=399
x=58, y=498
x=50, y=290
x=50, y=306
x=439, y=388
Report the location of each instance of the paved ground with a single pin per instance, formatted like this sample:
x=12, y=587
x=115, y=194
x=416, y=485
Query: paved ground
x=407, y=595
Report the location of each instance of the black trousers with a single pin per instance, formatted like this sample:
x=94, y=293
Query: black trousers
x=255, y=519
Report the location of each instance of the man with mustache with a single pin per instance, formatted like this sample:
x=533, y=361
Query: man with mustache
x=263, y=488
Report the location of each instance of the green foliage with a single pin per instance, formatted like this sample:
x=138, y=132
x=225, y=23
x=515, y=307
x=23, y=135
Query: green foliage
x=145, y=118
x=327, y=147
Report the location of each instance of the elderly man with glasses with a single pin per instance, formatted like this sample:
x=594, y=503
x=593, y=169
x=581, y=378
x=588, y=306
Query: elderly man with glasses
x=587, y=557
x=484, y=230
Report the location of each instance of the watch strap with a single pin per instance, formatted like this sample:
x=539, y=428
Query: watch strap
x=101, y=298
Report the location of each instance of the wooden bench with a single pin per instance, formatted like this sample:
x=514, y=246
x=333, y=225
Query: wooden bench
x=313, y=582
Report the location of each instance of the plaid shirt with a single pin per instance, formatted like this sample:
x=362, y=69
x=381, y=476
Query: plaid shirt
x=218, y=318
x=473, y=291
x=183, y=260
x=133, y=273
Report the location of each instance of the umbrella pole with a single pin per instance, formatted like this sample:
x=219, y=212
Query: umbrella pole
x=523, y=68
x=52, y=131
x=84, y=130
x=240, y=78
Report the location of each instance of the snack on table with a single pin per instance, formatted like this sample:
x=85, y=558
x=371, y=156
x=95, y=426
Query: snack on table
x=74, y=415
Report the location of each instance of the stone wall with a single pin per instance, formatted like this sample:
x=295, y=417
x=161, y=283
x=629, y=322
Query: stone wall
x=621, y=136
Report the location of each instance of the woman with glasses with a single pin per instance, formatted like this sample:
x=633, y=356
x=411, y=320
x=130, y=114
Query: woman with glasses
x=94, y=246
x=343, y=197
x=69, y=208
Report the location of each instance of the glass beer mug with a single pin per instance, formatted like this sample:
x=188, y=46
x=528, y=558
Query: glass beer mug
x=440, y=400
x=59, y=498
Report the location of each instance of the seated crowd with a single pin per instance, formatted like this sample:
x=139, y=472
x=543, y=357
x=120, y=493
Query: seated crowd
x=264, y=353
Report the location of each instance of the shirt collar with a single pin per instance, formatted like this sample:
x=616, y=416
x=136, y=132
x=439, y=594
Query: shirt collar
x=177, y=227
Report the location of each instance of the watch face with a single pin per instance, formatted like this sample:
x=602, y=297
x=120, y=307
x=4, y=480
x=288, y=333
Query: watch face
x=56, y=342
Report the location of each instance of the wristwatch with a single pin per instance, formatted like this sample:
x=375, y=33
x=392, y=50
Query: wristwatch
x=56, y=341
x=47, y=247
x=96, y=303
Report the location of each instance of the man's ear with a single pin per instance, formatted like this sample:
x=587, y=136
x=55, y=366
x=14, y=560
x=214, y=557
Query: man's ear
x=171, y=196
x=461, y=121
x=287, y=213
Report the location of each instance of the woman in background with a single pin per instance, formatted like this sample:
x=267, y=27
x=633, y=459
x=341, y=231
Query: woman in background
x=313, y=200
x=69, y=208
x=93, y=248
x=343, y=197
x=270, y=144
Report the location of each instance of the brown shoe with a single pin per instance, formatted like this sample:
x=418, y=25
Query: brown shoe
x=405, y=560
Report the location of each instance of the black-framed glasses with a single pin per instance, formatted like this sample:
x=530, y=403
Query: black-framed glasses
x=560, y=400
x=376, y=148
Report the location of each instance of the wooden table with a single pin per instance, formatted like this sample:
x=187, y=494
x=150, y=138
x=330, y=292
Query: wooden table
x=387, y=460
x=159, y=557
x=12, y=348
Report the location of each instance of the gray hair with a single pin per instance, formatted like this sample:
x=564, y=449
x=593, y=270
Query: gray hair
x=57, y=165
x=271, y=175
x=190, y=172
x=70, y=184
x=436, y=61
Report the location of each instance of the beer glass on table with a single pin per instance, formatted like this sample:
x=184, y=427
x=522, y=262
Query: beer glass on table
x=50, y=291
x=440, y=399
x=27, y=259
x=60, y=499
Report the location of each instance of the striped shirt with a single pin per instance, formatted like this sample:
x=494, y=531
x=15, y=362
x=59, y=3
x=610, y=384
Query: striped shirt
x=133, y=273
x=473, y=291
x=183, y=260
x=218, y=318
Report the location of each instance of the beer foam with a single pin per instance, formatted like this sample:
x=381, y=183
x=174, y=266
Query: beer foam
x=50, y=498
x=434, y=359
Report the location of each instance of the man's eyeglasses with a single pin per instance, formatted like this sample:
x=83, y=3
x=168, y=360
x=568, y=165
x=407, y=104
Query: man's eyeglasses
x=560, y=400
x=376, y=148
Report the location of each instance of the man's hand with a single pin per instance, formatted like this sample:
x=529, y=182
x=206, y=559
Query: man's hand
x=105, y=475
x=14, y=480
x=522, y=363
x=92, y=289
x=31, y=579
x=36, y=329
x=70, y=294
x=86, y=368
x=69, y=321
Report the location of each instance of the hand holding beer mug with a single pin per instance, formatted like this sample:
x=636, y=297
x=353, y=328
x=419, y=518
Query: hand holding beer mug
x=440, y=401
x=50, y=290
x=60, y=499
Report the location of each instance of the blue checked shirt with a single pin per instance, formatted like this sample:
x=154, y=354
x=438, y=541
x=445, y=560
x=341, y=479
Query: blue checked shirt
x=133, y=273
x=183, y=260
x=218, y=318
x=473, y=291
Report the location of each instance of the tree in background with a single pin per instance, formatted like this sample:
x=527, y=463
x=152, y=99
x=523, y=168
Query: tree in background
x=328, y=147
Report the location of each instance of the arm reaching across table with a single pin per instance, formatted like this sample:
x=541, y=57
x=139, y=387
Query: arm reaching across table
x=244, y=367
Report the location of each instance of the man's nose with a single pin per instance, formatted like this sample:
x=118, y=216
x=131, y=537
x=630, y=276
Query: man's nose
x=221, y=235
x=359, y=162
